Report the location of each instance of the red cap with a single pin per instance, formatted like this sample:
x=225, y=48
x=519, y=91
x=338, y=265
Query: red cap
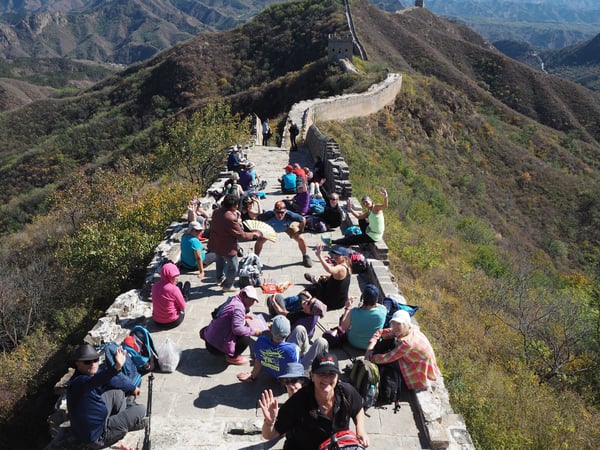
x=288, y=167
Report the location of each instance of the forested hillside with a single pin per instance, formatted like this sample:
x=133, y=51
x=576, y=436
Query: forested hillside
x=493, y=224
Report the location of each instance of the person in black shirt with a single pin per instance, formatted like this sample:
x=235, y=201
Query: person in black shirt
x=323, y=407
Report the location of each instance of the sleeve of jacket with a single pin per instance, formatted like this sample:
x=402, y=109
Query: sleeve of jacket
x=236, y=230
x=238, y=323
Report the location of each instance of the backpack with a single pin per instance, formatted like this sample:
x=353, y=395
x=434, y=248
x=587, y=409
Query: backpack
x=129, y=370
x=358, y=262
x=395, y=303
x=250, y=270
x=140, y=345
x=316, y=206
x=390, y=384
x=315, y=225
x=342, y=440
x=364, y=376
x=352, y=230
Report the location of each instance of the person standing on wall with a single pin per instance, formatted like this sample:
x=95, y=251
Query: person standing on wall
x=294, y=132
x=266, y=132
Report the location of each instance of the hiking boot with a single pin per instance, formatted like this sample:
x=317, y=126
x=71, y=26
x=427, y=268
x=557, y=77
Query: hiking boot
x=306, y=260
x=310, y=278
x=238, y=360
x=186, y=290
x=326, y=240
x=141, y=423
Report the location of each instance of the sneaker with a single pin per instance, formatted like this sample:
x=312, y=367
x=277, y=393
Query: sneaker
x=229, y=289
x=310, y=278
x=326, y=240
x=306, y=260
x=186, y=290
x=238, y=360
x=221, y=280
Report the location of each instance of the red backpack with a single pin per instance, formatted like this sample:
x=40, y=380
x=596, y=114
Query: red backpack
x=342, y=440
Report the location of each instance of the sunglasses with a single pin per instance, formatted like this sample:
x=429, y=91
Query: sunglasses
x=279, y=211
x=89, y=362
x=293, y=380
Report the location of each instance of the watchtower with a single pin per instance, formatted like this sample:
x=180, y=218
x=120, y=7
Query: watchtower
x=339, y=47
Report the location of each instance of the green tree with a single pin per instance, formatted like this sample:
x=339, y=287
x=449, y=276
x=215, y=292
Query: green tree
x=194, y=147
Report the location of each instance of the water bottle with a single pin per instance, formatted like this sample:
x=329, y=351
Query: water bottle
x=370, y=396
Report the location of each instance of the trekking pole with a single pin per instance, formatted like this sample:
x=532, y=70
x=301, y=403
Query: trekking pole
x=147, y=443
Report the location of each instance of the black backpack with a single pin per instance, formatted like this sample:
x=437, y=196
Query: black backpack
x=390, y=384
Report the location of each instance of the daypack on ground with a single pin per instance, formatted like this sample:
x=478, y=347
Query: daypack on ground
x=140, y=345
x=396, y=303
x=129, y=369
x=250, y=270
x=316, y=205
x=363, y=375
x=390, y=384
x=342, y=440
x=315, y=225
x=358, y=262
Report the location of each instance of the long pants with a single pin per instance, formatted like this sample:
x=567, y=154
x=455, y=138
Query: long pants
x=356, y=238
x=122, y=418
x=228, y=266
x=241, y=344
x=308, y=352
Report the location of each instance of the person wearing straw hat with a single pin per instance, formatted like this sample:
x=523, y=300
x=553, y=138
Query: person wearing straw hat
x=99, y=411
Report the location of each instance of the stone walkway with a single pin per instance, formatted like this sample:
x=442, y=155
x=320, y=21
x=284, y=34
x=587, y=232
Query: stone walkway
x=202, y=405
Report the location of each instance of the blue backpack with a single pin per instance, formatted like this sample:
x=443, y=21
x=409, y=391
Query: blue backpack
x=129, y=369
x=394, y=304
x=316, y=206
x=140, y=345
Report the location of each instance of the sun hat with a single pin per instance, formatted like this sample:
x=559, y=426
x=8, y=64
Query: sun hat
x=327, y=362
x=294, y=370
x=85, y=352
x=400, y=317
x=339, y=250
x=280, y=327
x=250, y=293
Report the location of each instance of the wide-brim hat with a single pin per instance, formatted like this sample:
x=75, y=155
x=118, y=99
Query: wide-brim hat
x=294, y=370
x=85, y=352
x=327, y=362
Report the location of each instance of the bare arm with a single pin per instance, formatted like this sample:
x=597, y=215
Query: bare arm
x=270, y=408
x=361, y=432
x=337, y=271
x=345, y=319
x=380, y=207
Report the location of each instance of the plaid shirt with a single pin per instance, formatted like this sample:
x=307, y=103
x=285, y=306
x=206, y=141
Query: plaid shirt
x=414, y=355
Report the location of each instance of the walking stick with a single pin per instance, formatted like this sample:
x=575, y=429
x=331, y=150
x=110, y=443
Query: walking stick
x=147, y=443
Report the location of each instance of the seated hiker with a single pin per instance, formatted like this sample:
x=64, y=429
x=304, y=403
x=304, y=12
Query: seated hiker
x=168, y=299
x=371, y=222
x=251, y=207
x=193, y=255
x=271, y=352
x=284, y=220
x=228, y=334
x=288, y=180
x=294, y=379
x=322, y=407
x=246, y=179
x=362, y=322
x=412, y=350
x=332, y=214
x=332, y=288
x=196, y=213
x=312, y=309
x=98, y=409
x=232, y=186
x=300, y=202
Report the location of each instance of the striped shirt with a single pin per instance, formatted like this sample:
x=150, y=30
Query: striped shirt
x=414, y=355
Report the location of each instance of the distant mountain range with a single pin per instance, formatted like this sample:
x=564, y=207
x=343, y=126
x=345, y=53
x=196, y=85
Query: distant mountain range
x=120, y=33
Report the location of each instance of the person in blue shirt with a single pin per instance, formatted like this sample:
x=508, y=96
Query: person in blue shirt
x=285, y=221
x=99, y=411
x=192, y=251
x=288, y=180
x=272, y=353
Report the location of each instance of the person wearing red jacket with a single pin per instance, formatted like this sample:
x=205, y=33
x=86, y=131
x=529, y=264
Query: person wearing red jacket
x=225, y=232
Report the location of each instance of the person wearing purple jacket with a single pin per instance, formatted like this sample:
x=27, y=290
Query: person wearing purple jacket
x=228, y=333
x=300, y=203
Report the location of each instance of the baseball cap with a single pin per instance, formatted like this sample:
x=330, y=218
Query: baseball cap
x=250, y=292
x=280, y=327
x=339, y=250
x=288, y=167
x=327, y=362
x=194, y=225
x=401, y=317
